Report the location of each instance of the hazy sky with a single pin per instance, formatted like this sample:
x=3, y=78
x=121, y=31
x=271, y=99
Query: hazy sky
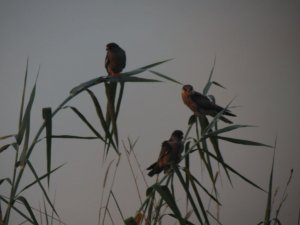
x=257, y=46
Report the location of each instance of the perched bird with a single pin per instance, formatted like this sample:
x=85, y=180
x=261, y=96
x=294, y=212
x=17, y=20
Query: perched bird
x=115, y=60
x=202, y=105
x=170, y=154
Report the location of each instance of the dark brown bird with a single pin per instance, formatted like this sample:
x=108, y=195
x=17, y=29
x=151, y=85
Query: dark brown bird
x=115, y=60
x=202, y=105
x=170, y=154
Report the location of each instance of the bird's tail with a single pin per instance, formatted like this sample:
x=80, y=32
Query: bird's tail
x=225, y=120
x=228, y=113
x=154, y=169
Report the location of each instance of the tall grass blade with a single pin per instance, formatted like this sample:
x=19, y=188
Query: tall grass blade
x=189, y=195
x=26, y=116
x=122, y=85
x=76, y=90
x=165, y=77
x=23, y=158
x=225, y=129
x=74, y=137
x=82, y=117
x=243, y=142
x=28, y=208
x=144, y=68
x=23, y=95
x=41, y=186
x=208, y=84
x=17, y=210
x=168, y=198
x=4, y=147
x=102, y=120
x=7, y=136
x=117, y=204
x=267, y=220
x=193, y=178
x=7, y=179
x=199, y=202
x=131, y=79
x=47, y=116
x=37, y=180
x=235, y=172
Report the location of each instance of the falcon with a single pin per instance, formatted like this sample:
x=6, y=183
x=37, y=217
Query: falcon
x=201, y=105
x=170, y=154
x=115, y=60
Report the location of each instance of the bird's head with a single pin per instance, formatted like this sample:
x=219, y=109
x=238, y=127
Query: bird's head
x=188, y=89
x=111, y=46
x=177, y=134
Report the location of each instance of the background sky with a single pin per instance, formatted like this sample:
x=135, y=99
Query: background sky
x=257, y=49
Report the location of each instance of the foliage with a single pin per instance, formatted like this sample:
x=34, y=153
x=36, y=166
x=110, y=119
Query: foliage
x=160, y=200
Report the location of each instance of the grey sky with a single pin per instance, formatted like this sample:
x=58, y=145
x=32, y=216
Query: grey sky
x=257, y=46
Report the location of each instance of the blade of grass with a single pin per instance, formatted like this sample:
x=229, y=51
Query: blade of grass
x=27, y=113
x=47, y=116
x=82, y=117
x=102, y=119
x=168, y=198
x=39, y=179
x=208, y=84
x=17, y=210
x=7, y=136
x=23, y=95
x=189, y=195
x=165, y=77
x=243, y=142
x=7, y=179
x=144, y=68
x=267, y=220
x=28, y=208
x=66, y=136
x=4, y=147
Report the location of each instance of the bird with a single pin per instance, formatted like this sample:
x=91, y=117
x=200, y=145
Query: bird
x=115, y=60
x=201, y=105
x=170, y=154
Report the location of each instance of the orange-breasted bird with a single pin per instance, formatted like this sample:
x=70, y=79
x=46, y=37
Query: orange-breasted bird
x=115, y=60
x=201, y=105
x=170, y=154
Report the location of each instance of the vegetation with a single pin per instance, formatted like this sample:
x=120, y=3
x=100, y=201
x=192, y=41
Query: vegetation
x=160, y=200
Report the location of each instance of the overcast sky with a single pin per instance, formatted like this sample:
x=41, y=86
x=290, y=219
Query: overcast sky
x=257, y=49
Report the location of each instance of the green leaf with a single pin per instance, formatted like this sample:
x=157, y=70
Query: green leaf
x=17, y=210
x=7, y=136
x=192, y=120
x=131, y=79
x=102, y=120
x=26, y=117
x=169, y=199
x=269, y=201
x=193, y=178
x=76, y=90
x=28, y=207
x=208, y=84
x=165, y=77
x=188, y=194
x=82, y=117
x=39, y=179
x=73, y=137
x=225, y=129
x=41, y=186
x=242, y=142
x=47, y=116
x=144, y=68
x=4, y=147
x=23, y=95
x=7, y=179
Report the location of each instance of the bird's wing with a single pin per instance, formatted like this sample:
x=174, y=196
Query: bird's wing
x=166, y=149
x=201, y=100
